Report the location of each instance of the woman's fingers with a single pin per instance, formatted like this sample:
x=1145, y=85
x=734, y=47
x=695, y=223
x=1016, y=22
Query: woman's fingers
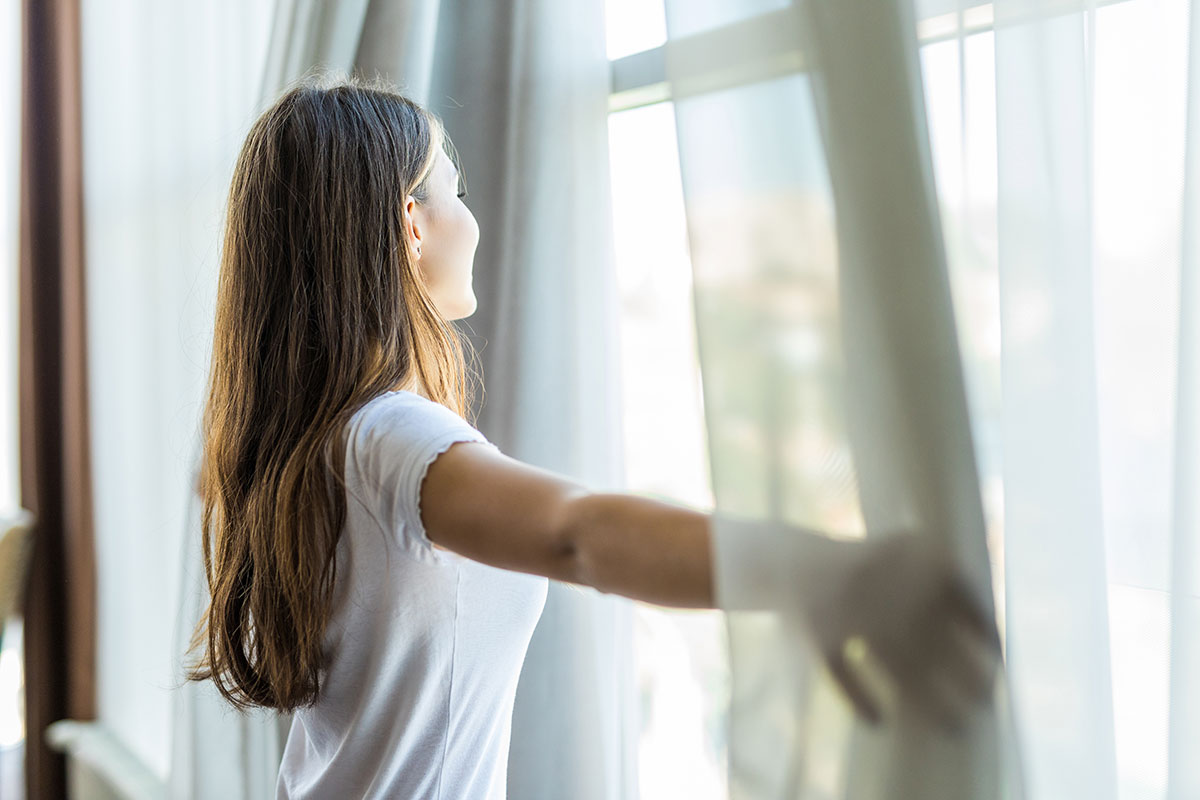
x=943, y=674
x=970, y=664
x=926, y=688
x=959, y=676
x=987, y=658
x=942, y=669
x=852, y=686
x=924, y=628
x=921, y=681
x=972, y=612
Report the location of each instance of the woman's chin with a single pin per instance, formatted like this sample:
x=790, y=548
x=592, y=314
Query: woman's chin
x=466, y=309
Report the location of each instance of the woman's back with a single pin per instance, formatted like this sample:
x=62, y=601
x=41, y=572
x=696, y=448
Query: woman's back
x=424, y=646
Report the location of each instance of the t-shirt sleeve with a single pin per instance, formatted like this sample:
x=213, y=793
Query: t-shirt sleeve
x=394, y=453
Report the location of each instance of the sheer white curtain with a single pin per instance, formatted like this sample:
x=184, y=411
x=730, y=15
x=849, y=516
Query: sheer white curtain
x=1062, y=156
x=1055, y=571
x=168, y=92
x=1067, y=184
x=1098, y=371
x=833, y=388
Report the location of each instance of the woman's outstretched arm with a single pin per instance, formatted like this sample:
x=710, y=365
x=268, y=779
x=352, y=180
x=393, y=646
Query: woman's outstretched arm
x=899, y=595
x=642, y=548
x=494, y=509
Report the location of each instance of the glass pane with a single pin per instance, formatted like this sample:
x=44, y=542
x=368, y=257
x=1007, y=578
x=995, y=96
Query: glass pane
x=963, y=145
x=680, y=655
x=633, y=26
x=664, y=423
x=764, y=255
x=687, y=17
x=760, y=212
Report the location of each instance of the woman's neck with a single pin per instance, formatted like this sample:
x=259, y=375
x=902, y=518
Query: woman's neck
x=413, y=384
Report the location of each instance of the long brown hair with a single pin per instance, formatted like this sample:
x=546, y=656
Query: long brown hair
x=319, y=309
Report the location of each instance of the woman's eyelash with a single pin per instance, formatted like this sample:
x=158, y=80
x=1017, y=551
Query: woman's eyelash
x=462, y=194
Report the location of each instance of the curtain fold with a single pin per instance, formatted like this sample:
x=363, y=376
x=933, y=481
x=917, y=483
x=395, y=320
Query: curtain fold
x=308, y=33
x=523, y=89
x=59, y=611
x=168, y=93
x=905, y=389
x=1057, y=618
x=1183, y=723
x=1095, y=211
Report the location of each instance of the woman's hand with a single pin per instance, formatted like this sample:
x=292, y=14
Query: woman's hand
x=899, y=603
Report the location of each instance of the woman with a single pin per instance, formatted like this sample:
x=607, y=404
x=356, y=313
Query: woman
x=375, y=564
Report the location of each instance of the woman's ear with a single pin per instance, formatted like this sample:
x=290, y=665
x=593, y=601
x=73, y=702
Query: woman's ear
x=412, y=231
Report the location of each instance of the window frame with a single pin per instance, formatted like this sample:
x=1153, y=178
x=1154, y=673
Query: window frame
x=761, y=48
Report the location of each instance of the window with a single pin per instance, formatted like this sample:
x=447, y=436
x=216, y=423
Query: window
x=680, y=654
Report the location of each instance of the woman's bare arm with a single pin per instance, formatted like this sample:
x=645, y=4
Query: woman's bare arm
x=642, y=548
x=902, y=596
x=499, y=511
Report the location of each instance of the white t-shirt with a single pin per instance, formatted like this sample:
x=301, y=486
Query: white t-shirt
x=424, y=646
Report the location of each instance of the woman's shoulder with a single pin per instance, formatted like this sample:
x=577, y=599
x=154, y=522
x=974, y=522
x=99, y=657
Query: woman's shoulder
x=401, y=400
x=397, y=398
x=405, y=415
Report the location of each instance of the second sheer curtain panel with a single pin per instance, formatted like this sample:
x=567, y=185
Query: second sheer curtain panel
x=1060, y=141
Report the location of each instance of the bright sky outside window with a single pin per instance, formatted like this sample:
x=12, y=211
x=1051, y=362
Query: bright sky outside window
x=678, y=653
x=633, y=26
